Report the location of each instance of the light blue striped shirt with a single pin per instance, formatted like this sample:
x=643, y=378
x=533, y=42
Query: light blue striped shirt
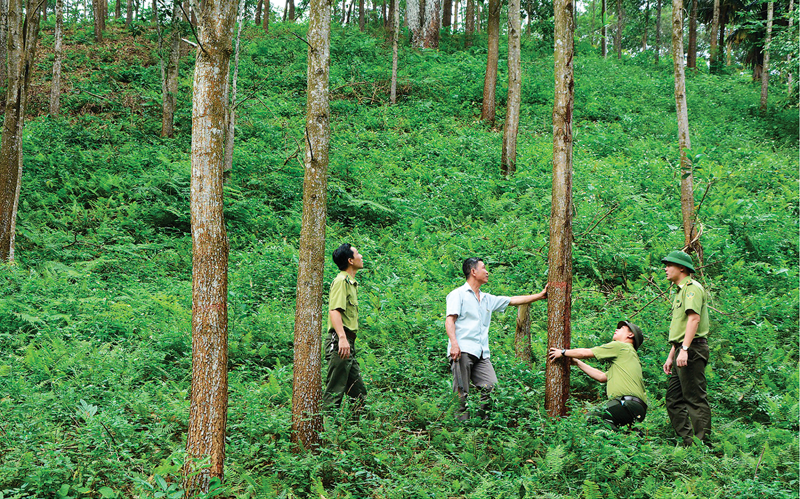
x=472, y=323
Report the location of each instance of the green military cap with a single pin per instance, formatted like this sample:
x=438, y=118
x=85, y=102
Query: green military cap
x=638, y=337
x=680, y=258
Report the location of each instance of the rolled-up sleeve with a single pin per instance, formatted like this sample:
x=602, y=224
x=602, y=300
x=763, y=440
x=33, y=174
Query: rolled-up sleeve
x=453, y=306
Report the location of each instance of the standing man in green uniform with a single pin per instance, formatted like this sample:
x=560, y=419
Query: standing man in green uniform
x=344, y=374
x=627, y=402
x=687, y=401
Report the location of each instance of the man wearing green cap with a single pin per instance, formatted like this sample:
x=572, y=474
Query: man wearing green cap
x=686, y=399
x=627, y=402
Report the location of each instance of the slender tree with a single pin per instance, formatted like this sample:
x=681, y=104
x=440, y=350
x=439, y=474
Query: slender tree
x=169, y=72
x=118, y=9
x=432, y=24
x=306, y=386
x=691, y=55
x=361, y=22
x=4, y=6
x=658, y=30
x=646, y=23
x=128, y=13
x=58, y=49
x=230, y=114
x=765, y=70
x=469, y=23
x=713, y=58
x=209, y=393
x=789, y=57
x=97, y=11
x=265, y=20
x=23, y=33
x=508, y=161
x=684, y=143
x=447, y=15
x=522, y=335
x=395, y=5
x=559, y=278
x=490, y=79
x=618, y=37
x=258, y=11
x=603, y=30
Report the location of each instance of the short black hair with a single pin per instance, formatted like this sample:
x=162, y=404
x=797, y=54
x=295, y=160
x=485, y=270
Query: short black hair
x=342, y=255
x=469, y=264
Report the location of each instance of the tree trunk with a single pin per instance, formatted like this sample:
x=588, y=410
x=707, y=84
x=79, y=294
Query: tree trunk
x=603, y=31
x=691, y=56
x=455, y=16
x=361, y=15
x=765, y=69
x=44, y=10
x=230, y=115
x=384, y=15
x=209, y=393
x=23, y=33
x=447, y=16
x=684, y=144
x=430, y=35
x=128, y=13
x=395, y=35
x=154, y=17
x=508, y=161
x=55, y=87
x=258, y=11
x=714, y=50
x=97, y=11
x=478, y=7
x=490, y=79
x=658, y=30
x=522, y=335
x=559, y=292
x=413, y=20
x=169, y=88
x=306, y=386
x=291, y=10
x=4, y=5
x=285, y=10
x=789, y=57
x=118, y=10
x=469, y=23
x=646, y=24
x=265, y=20
x=618, y=38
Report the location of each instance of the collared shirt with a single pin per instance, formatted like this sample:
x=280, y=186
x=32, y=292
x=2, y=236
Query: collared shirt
x=344, y=298
x=690, y=296
x=472, y=323
x=625, y=373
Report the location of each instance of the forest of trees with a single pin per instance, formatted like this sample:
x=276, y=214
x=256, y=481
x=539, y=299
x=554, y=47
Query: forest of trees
x=175, y=175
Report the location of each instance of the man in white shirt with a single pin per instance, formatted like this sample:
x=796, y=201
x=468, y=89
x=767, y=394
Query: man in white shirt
x=468, y=314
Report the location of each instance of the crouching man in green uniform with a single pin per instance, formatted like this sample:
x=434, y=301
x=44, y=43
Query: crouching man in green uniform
x=627, y=402
x=687, y=400
x=344, y=374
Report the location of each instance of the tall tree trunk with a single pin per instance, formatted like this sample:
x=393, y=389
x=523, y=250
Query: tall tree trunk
x=291, y=10
x=118, y=10
x=478, y=20
x=430, y=35
x=395, y=5
x=306, y=387
x=469, y=23
x=447, y=16
x=44, y=10
x=789, y=57
x=258, y=11
x=154, y=17
x=508, y=161
x=684, y=143
x=230, y=115
x=265, y=20
x=522, y=335
x=691, y=56
x=413, y=20
x=765, y=70
x=604, y=31
x=658, y=30
x=23, y=34
x=285, y=10
x=361, y=15
x=97, y=12
x=384, y=15
x=592, y=31
x=559, y=258
x=646, y=24
x=55, y=87
x=714, y=50
x=490, y=79
x=169, y=86
x=209, y=394
x=128, y=13
x=618, y=38
x=4, y=5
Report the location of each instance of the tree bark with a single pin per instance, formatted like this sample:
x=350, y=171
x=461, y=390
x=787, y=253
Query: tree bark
x=169, y=86
x=291, y=10
x=230, y=115
x=469, y=23
x=447, y=16
x=691, y=56
x=603, y=31
x=508, y=161
x=97, y=11
x=414, y=22
x=4, y=5
x=789, y=57
x=684, y=143
x=128, y=13
x=258, y=11
x=658, y=30
x=618, y=38
x=646, y=24
x=265, y=20
x=306, y=386
x=490, y=79
x=430, y=35
x=209, y=393
x=559, y=292
x=55, y=87
x=118, y=10
x=361, y=15
x=765, y=69
x=522, y=335
x=23, y=34
x=714, y=50
x=395, y=35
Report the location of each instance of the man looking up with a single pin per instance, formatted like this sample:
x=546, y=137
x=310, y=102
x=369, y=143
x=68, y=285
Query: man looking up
x=686, y=399
x=627, y=402
x=344, y=374
x=468, y=314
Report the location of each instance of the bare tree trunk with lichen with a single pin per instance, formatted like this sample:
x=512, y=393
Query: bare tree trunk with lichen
x=559, y=278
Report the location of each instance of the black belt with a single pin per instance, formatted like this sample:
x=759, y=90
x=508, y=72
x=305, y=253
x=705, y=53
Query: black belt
x=696, y=341
x=634, y=399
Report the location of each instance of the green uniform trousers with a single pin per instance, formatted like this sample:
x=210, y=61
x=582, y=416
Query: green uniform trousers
x=687, y=400
x=344, y=375
x=620, y=411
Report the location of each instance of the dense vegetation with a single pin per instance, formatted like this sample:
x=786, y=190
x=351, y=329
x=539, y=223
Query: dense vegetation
x=95, y=343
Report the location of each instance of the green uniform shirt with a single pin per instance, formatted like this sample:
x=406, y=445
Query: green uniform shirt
x=690, y=296
x=343, y=298
x=625, y=373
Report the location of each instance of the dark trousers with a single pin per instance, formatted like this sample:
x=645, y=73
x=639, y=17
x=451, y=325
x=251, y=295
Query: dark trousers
x=344, y=375
x=687, y=400
x=620, y=411
x=478, y=372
